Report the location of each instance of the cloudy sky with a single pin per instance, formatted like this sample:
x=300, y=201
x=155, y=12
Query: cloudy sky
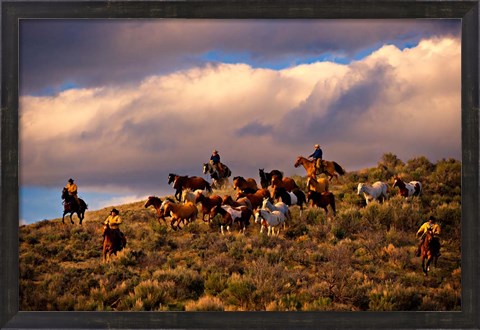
x=119, y=104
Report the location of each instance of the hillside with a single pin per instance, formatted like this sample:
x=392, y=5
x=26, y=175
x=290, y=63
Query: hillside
x=362, y=259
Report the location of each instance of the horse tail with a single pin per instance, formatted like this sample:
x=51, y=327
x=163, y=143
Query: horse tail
x=338, y=168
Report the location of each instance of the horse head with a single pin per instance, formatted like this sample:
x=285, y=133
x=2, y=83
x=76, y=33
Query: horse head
x=65, y=193
x=171, y=178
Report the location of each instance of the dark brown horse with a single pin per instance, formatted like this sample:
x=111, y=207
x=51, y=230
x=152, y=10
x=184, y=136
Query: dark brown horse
x=242, y=201
x=208, y=203
x=256, y=199
x=156, y=202
x=113, y=241
x=185, y=182
x=231, y=215
x=430, y=249
x=288, y=183
x=266, y=177
x=322, y=200
x=71, y=206
x=248, y=185
x=329, y=168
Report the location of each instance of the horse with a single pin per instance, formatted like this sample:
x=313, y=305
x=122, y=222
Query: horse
x=185, y=182
x=294, y=197
x=270, y=220
x=377, y=191
x=322, y=200
x=256, y=199
x=71, y=206
x=330, y=168
x=157, y=203
x=279, y=206
x=112, y=242
x=242, y=201
x=208, y=203
x=179, y=212
x=319, y=185
x=430, y=249
x=287, y=183
x=219, y=180
x=189, y=196
x=266, y=177
x=231, y=215
x=248, y=185
x=412, y=188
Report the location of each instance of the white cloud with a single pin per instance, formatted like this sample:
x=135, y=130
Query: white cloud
x=401, y=101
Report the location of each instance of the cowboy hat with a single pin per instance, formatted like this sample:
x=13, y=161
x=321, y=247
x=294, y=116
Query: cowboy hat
x=114, y=210
x=316, y=146
x=70, y=180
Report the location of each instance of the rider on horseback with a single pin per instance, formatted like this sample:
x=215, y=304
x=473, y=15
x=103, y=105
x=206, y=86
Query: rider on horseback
x=317, y=157
x=72, y=190
x=215, y=161
x=432, y=225
x=114, y=221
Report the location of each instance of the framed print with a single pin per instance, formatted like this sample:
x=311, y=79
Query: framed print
x=346, y=195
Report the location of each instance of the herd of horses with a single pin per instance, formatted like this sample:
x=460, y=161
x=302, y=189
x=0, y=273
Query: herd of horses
x=268, y=203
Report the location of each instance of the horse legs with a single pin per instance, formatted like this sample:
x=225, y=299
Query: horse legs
x=71, y=220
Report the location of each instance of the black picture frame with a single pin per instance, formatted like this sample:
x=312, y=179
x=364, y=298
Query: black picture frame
x=13, y=11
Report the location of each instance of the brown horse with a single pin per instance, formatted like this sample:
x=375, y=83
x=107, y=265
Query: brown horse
x=322, y=200
x=288, y=183
x=156, y=202
x=185, y=182
x=242, y=201
x=71, y=206
x=256, y=199
x=113, y=241
x=430, y=249
x=266, y=177
x=208, y=203
x=248, y=185
x=319, y=185
x=329, y=168
x=180, y=213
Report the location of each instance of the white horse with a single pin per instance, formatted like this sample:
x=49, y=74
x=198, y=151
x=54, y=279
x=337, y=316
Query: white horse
x=412, y=188
x=377, y=191
x=279, y=206
x=270, y=220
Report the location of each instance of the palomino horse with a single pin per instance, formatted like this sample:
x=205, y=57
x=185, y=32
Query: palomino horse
x=113, y=241
x=184, y=182
x=329, y=168
x=248, y=185
x=322, y=200
x=219, y=180
x=430, y=249
x=270, y=220
x=180, y=213
x=71, y=206
x=266, y=177
x=377, y=191
x=412, y=188
x=319, y=185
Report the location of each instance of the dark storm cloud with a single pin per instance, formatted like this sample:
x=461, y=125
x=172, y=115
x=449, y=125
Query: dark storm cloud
x=59, y=54
x=255, y=129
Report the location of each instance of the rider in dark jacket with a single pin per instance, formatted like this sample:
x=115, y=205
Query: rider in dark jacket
x=317, y=157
